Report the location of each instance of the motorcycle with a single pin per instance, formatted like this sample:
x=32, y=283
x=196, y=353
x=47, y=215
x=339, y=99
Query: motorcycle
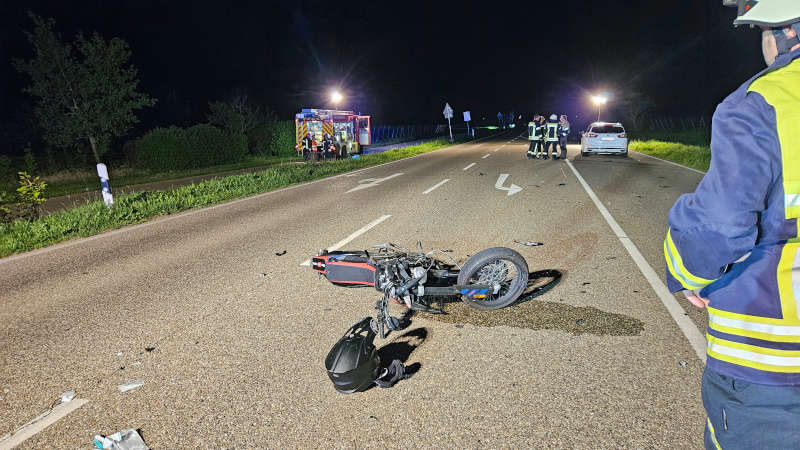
x=491, y=279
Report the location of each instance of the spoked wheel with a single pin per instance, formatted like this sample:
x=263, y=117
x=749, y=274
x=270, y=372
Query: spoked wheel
x=495, y=265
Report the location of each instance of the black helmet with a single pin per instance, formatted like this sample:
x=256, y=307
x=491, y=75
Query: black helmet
x=353, y=365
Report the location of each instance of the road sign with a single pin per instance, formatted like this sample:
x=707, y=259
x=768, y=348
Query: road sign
x=448, y=111
x=466, y=116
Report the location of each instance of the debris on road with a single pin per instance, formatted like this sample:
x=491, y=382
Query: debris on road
x=120, y=353
x=262, y=274
x=562, y=184
x=149, y=349
x=132, y=385
x=586, y=282
x=121, y=440
x=683, y=363
x=579, y=321
x=67, y=397
x=528, y=243
x=480, y=174
x=281, y=253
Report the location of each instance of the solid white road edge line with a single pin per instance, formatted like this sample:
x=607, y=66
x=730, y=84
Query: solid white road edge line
x=670, y=162
x=431, y=189
x=73, y=242
x=465, y=168
x=40, y=423
x=696, y=339
x=358, y=233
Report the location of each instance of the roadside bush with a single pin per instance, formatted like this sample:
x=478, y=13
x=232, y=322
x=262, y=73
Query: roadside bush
x=259, y=138
x=31, y=193
x=176, y=148
x=282, y=140
x=6, y=171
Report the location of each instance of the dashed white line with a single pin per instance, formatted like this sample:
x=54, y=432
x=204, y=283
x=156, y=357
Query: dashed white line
x=485, y=156
x=431, y=189
x=358, y=233
x=467, y=168
x=40, y=423
x=696, y=339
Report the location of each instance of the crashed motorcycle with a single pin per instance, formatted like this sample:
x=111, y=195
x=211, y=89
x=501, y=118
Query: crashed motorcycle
x=491, y=279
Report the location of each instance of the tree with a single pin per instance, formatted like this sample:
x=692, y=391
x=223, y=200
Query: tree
x=236, y=115
x=636, y=107
x=85, y=92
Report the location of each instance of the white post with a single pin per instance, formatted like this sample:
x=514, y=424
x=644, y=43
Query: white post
x=102, y=172
x=451, y=129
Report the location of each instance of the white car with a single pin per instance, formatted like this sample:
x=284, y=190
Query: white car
x=604, y=137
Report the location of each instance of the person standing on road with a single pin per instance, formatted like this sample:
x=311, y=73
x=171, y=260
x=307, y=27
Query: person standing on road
x=563, y=134
x=534, y=135
x=308, y=146
x=551, y=137
x=733, y=246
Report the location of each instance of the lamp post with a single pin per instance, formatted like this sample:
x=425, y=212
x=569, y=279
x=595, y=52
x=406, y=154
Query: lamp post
x=599, y=100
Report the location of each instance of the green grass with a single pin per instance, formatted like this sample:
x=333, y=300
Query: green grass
x=129, y=209
x=63, y=184
x=695, y=156
x=688, y=137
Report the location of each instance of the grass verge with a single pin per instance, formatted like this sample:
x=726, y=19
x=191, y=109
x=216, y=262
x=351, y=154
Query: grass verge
x=95, y=218
x=695, y=156
x=86, y=181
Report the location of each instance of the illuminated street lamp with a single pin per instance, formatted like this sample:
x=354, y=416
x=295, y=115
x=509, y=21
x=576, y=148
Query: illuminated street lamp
x=599, y=100
x=336, y=97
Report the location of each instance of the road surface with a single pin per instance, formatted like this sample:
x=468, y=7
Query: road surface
x=229, y=334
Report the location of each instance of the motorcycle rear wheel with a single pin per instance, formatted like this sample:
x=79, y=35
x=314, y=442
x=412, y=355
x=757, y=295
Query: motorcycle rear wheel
x=497, y=264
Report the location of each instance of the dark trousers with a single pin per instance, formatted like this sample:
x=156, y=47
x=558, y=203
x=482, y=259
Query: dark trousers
x=562, y=142
x=744, y=415
x=553, y=145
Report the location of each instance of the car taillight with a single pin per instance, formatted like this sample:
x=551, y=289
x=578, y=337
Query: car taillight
x=591, y=135
x=623, y=135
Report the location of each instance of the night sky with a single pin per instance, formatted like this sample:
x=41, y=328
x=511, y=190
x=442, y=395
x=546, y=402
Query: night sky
x=401, y=61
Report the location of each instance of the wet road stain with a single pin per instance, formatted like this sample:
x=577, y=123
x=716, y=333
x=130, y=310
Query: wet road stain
x=529, y=312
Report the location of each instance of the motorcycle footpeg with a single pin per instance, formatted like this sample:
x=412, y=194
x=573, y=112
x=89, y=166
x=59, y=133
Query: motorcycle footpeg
x=392, y=323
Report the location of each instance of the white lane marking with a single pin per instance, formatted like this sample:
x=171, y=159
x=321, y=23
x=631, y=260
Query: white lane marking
x=430, y=189
x=40, y=423
x=358, y=233
x=513, y=189
x=465, y=168
x=485, y=156
x=370, y=182
x=670, y=162
x=191, y=212
x=693, y=335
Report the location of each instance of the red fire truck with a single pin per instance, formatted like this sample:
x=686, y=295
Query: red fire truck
x=350, y=131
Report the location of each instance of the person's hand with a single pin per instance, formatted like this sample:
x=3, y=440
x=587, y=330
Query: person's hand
x=694, y=298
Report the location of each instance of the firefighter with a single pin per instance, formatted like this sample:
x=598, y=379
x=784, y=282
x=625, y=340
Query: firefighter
x=327, y=146
x=534, y=135
x=563, y=134
x=733, y=246
x=538, y=154
x=551, y=137
x=308, y=146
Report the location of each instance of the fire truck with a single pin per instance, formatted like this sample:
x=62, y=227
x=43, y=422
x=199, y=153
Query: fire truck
x=350, y=131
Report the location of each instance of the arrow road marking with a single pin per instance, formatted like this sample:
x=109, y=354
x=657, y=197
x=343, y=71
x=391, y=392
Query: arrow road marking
x=485, y=156
x=513, y=189
x=466, y=168
x=430, y=189
x=370, y=182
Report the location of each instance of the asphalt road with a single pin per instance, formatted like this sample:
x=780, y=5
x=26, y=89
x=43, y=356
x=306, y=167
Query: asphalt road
x=230, y=338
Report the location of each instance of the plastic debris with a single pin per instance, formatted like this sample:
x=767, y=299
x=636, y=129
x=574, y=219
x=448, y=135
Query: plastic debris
x=528, y=243
x=281, y=253
x=683, y=363
x=132, y=385
x=262, y=274
x=121, y=440
x=119, y=353
x=67, y=397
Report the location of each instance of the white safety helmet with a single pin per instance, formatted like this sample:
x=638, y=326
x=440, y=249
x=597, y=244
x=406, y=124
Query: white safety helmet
x=765, y=13
x=553, y=117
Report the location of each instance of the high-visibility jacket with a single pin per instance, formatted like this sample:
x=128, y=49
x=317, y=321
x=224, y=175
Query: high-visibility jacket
x=534, y=131
x=737, y=238
x=551, y=135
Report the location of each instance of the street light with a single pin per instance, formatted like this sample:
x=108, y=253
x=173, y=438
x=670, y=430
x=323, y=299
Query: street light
x=599, y=100
x=336, y=97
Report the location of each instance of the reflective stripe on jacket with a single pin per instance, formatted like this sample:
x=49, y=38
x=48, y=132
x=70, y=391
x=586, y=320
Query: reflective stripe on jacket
x=736, y=238
x=552, y=132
